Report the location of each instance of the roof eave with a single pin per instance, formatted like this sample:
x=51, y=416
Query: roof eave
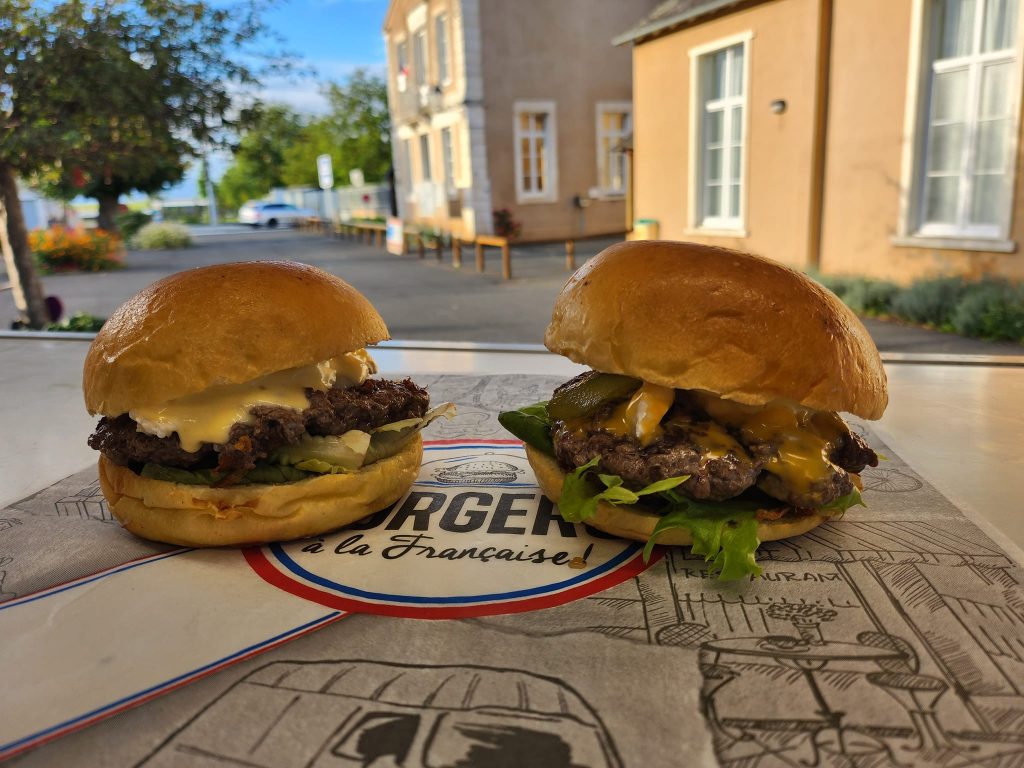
x=663, y=26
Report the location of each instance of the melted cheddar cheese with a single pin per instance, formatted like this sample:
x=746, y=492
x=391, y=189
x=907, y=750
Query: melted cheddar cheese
x=799, y=435
x=641, y=415
x=207, y=417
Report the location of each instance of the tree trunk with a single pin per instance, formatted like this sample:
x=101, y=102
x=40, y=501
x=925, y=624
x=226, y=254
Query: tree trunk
x=108, y=209
x=21, y=268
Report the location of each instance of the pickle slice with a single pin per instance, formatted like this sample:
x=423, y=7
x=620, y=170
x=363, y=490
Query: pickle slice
x=582, y=396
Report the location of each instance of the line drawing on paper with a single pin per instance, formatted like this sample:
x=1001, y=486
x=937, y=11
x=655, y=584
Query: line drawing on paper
x=883, y=644
x=313, y=714
x=88, y=504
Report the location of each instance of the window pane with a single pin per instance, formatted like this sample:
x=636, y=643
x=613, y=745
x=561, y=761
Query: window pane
x=714, y=172
x=441, y=41
x=955, y=20
x=990, y=154
x=995, y=90
x=540, y=121
x=425, y=156
x=736, y=129
x=1000, y=25
x=713, y=128
x=945, y=148
x=524, y=150
x=419, y=50
x=524, y=121
x=987, y=200
x=949, y=95
x=715, y=78
x=542, y=170
x=712, y=201
x=734, y=200
x=736, y=71
x=734, y=164
x=940, y=199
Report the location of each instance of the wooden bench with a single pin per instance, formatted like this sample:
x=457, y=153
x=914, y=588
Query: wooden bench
x=492, y=241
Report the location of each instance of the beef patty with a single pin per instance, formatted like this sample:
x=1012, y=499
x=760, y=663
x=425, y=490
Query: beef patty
x=724, y=474
x=333, y=412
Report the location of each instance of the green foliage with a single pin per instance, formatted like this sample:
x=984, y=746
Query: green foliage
x=991, y=309
x=162, y=235
x=354, y=133
x=62, y=250
x=130, y=222
x=80, y=322
x=259, y=155
x=101, y=97
x=931, y=301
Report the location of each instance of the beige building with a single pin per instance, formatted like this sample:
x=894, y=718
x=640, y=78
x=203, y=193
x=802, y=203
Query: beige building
x=875, y=137
x=499, y=105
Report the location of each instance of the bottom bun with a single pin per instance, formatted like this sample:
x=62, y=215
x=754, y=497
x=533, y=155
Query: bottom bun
x=200, y=516
x=633, y=522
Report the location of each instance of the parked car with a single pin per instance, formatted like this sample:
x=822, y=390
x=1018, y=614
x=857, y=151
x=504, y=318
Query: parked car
x=259, y=213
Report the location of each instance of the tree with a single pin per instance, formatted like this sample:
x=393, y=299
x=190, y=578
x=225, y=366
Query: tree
x=354, y=133
x=259, y=154
x=107, y=96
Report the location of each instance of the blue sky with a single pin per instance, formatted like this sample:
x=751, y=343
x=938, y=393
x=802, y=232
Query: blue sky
x=333, y=37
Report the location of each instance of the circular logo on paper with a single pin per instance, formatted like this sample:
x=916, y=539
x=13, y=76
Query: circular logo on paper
x=473, y=537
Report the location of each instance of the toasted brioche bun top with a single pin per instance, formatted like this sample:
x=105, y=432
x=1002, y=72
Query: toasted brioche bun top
x=696, y=317
x=223, y=324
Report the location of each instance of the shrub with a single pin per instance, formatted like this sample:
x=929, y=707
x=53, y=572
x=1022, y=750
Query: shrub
x=80, y=321
x=931, y=301
x=68, y=250
x=130, y=222
x=991, y=309
x=166, y=234
x=863, y=295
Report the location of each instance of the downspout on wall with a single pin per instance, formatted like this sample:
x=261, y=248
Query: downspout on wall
x=816, y=218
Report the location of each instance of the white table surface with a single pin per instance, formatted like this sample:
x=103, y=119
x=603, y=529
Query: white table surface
x=957, y=423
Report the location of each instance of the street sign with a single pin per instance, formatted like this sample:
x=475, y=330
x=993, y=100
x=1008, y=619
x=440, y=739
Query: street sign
x=325, y=171
x=356, y=177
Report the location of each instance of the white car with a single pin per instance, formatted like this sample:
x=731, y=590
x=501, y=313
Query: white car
x=259, y=213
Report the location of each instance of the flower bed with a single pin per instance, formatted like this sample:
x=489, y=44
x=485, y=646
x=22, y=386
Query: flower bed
x=75, y=250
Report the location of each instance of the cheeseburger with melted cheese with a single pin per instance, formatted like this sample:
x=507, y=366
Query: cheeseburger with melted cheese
x=238, y=406
x=709, y=415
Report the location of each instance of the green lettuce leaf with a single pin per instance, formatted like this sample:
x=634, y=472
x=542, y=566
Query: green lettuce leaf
x=723, y=533
x=580, y=494
x=531, y=425
x=843, y=503
x=388, y=440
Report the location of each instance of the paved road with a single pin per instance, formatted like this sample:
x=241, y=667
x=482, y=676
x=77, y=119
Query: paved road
x=422, y=300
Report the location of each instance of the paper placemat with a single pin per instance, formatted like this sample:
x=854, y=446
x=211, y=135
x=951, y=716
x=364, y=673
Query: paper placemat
x=894, y=636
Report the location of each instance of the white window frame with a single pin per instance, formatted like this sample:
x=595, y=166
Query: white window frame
x=444, y=63
x=603, y=108
x=550, y=193
x=911, y=229
x=733, y=226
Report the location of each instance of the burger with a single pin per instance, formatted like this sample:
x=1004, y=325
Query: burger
x=238, y=406
x=709, y=413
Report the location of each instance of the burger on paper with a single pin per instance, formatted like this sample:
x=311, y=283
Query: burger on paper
x=238, y=405
x=709, y=416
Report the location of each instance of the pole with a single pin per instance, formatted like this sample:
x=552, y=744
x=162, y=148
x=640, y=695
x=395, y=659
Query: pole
x=211, y=201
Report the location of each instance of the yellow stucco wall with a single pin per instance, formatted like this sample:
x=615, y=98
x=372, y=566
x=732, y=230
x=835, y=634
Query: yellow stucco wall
x=864, y=150
x=779, y=177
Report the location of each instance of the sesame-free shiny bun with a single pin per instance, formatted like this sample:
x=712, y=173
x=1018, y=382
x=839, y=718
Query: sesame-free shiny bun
x=634, y=522
x=744, y=327
x=202, y=516
x=223, y=324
